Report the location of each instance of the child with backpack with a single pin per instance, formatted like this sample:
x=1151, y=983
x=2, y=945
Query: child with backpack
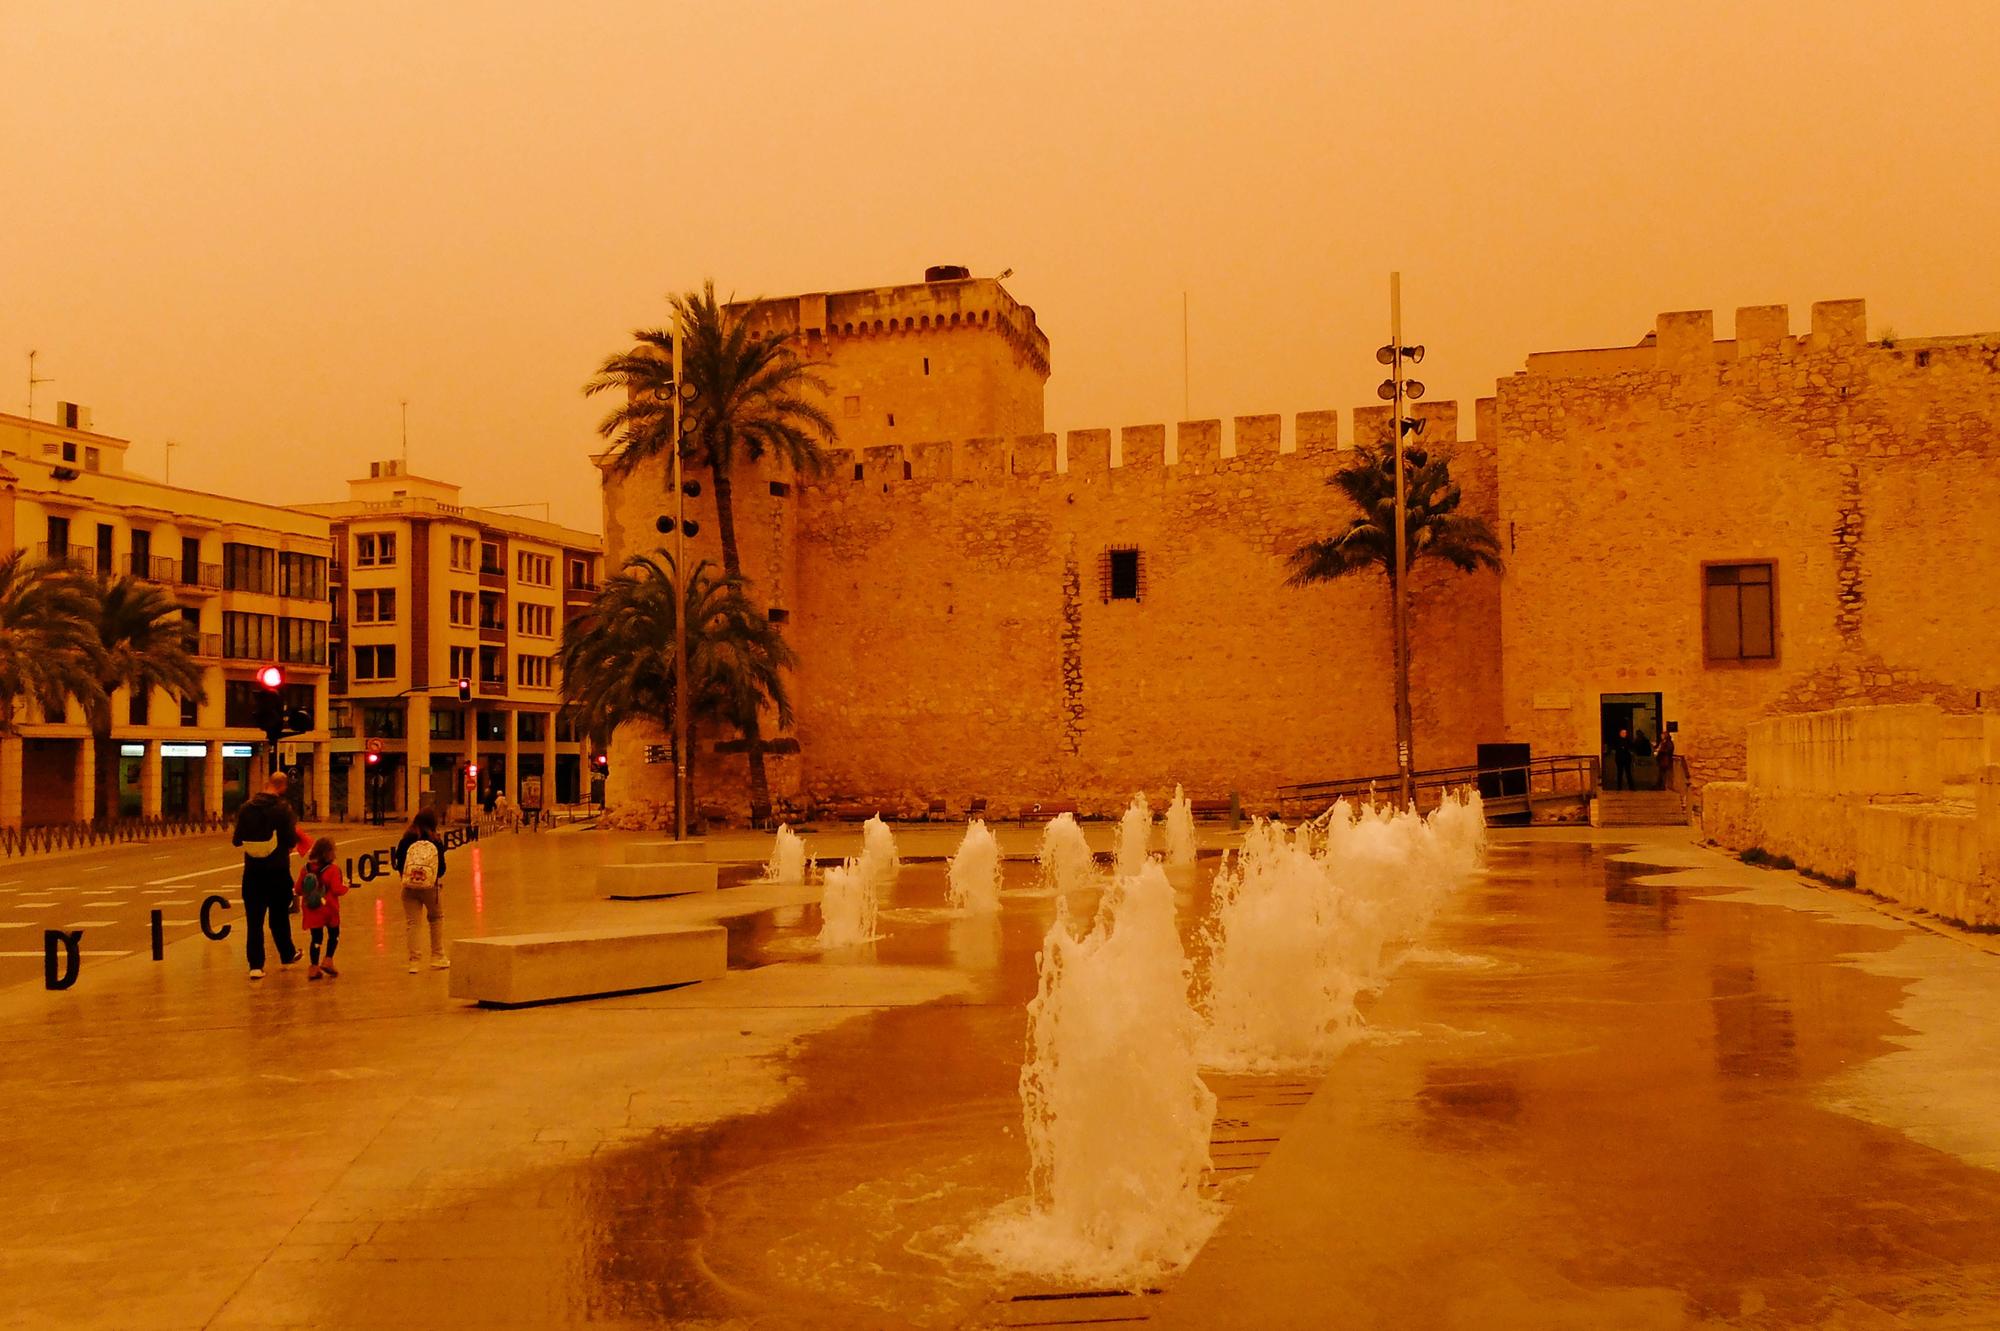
x=419, y=858
x=320, y=888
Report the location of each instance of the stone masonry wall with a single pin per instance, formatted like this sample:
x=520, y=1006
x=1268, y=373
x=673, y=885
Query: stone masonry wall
x=1869, y=473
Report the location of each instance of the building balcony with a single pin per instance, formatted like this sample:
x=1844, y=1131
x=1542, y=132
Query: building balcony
x=197, y=577
x=491, y=631
x=303, y=656
x=492, y=688
x=153, y=568
x=204, y=646
x=71, y=556
x=492, y=576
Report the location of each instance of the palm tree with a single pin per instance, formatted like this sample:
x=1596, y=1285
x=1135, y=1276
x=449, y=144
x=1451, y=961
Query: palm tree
x=1433, y=528
x=753, y=398
x=617, y=657
x=142, y=646
x=48, y=639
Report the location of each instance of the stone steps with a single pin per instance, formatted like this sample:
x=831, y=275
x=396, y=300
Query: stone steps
x=1638, y=808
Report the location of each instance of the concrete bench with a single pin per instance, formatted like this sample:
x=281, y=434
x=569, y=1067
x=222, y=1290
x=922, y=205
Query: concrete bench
x=655, y=869
x=519, y=969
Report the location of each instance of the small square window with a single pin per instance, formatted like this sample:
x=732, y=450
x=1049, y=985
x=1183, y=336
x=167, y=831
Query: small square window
x=850, y=406
x=777, y=616
x=779, y=489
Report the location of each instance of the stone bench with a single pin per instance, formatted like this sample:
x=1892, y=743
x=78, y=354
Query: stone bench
x=655, y=869
x=518, y=969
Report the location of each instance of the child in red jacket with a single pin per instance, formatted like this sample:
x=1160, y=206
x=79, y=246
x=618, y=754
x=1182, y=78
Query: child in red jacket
x=320, y=888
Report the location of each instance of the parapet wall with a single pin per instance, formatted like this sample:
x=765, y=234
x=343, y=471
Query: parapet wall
x=1855, y=795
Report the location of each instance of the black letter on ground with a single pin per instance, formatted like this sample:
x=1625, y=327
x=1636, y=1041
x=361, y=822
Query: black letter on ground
x=209, y=929
x=159, y=936
x=73, y=960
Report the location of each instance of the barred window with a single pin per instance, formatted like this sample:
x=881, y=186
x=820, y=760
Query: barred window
x=1121, y=575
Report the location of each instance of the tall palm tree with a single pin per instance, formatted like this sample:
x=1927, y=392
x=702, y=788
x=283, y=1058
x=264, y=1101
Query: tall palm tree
x=1433, y=528
x=753, y=398
x=142, y=646
x=48, y=636
x=617, y=657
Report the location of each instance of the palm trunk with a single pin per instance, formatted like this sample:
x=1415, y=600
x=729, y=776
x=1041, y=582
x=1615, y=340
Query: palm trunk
x=732, y=563
x=108, y=763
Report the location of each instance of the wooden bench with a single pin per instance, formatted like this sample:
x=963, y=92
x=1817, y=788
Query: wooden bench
x=1049, y=809
x=515, y=970
x=1209, y=808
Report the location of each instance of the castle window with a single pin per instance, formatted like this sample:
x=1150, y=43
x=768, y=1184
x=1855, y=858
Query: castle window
x=857, y=470
x=1121, y=575
x=1740, y=612
x=892, y=418
x=850, y=406
x=779, y=489
x=777, y=616
x=927, y=365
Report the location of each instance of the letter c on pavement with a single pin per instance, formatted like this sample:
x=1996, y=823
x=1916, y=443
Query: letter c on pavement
x=209, y=928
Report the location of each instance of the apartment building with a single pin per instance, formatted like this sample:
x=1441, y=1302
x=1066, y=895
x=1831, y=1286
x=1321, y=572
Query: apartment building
x=433, y=600
x=251, y=580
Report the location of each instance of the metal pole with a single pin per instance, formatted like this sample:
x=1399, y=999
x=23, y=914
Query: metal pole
x=1400, y=592
x=680, y=611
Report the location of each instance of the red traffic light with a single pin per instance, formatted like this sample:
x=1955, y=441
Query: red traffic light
x=464, y=689
x=372, y=759
x=603, y=761
x=271, y=678
x=472, y=769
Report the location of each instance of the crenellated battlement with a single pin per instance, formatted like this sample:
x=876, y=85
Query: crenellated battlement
x=921, y=309
x=1684, y=340
x=1184, y=451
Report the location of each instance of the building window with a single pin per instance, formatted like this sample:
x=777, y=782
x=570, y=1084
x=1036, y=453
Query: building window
x=302, y=577
x=461, y=663
x=463, y=550
x=139, y=706
x=375, y=605
x=1740, y=611
x=248, y=637
x=532, y=672
x=780, y=489
x=249, y=568
x=535, y=570
x=462, y=609
x=91, y=458
x=377, y=662
x=777, y=615
x=850, y=406
x=530, y=727
x=489, y=558
x=302, y=641
x=448, y=723
x=383, y=722
x=190, y=712
x=1121, y=575
x=535, y=621
x=375, y=549
x=579, y=574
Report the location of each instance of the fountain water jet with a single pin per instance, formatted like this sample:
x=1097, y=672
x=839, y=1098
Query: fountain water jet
x=1180, y=832
x=1116, y=1115
x=1135, y=837
x=1065, y=856
x=1302, y=923
x=974, y=872
x=847, y=907
x=879, y=863
x=788, y=858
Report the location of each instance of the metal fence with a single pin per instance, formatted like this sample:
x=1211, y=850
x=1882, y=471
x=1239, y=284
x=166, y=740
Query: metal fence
x=104, y=832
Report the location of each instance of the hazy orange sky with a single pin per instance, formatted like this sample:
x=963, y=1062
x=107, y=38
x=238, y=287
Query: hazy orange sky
x=255, y=227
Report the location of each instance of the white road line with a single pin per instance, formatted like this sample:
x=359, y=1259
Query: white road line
x=32, y=905
x=90, y=924
x=104, y=905
x=198, y=873
x=180, y=922
x=18, y=924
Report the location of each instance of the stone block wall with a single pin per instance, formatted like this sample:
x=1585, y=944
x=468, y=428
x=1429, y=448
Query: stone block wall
x=1853, y=795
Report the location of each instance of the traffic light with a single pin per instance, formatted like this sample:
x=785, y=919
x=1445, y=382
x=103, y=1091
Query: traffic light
x=472, y=769
x=464, y=689
x=272, y=678
x=603, y=762
x=372, y=758
x=270, y=709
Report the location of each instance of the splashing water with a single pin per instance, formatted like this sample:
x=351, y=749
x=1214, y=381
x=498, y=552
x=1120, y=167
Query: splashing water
x=974, y=873
x=1180, y=832
x=847, y=906
x=1135, y=837
x=788, y=857
x=1303, y=923
x=1116, y=1115
x=1065, y=856
x=879, y=863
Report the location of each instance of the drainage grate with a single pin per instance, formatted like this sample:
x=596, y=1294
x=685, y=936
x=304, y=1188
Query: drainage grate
x=1082, y=1307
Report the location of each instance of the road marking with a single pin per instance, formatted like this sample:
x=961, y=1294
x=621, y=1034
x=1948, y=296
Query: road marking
x=183, y=877
x=18, y=924
x=103, y=905
x=180, y=922
x=32, y=905
x=92, y=924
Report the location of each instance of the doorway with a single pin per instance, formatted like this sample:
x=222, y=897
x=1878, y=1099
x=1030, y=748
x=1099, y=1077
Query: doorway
x=1638, y=715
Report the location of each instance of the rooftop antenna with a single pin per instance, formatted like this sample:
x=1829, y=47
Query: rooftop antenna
x=406, y=436
x=168, y=478
x=32, y=381
x=1005, y=273
x=542, y=504
x=1187, y=410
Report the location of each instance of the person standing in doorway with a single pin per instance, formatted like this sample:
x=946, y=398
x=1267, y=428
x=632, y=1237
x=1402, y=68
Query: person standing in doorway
x=268, y=834
x=1621, y=758
x=1664, y=755
x=419, y=858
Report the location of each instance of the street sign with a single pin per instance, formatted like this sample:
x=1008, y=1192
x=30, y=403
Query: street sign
x=374, y=745
x=658, y=753
x=288, y=755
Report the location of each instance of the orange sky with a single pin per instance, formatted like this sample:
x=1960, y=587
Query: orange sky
x=254, y=227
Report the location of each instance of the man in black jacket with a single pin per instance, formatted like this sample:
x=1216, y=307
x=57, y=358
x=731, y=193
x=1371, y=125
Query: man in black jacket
x=268, y=834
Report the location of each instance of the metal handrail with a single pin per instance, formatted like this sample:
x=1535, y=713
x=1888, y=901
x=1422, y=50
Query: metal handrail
x=1539, y=777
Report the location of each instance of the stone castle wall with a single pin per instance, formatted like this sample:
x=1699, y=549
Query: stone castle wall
x=956, y=641
x=1870, y=475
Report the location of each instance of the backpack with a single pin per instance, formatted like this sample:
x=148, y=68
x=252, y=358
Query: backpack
x=313, y=889
x=257, y=828
x=420, y=865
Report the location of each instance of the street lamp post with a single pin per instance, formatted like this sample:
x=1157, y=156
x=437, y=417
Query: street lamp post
x=1399, y=392
x=680, y=611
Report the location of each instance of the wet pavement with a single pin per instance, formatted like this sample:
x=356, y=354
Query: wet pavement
x=1602, y=1097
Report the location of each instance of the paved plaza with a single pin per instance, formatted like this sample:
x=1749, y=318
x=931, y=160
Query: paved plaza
x=1624, y=1082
